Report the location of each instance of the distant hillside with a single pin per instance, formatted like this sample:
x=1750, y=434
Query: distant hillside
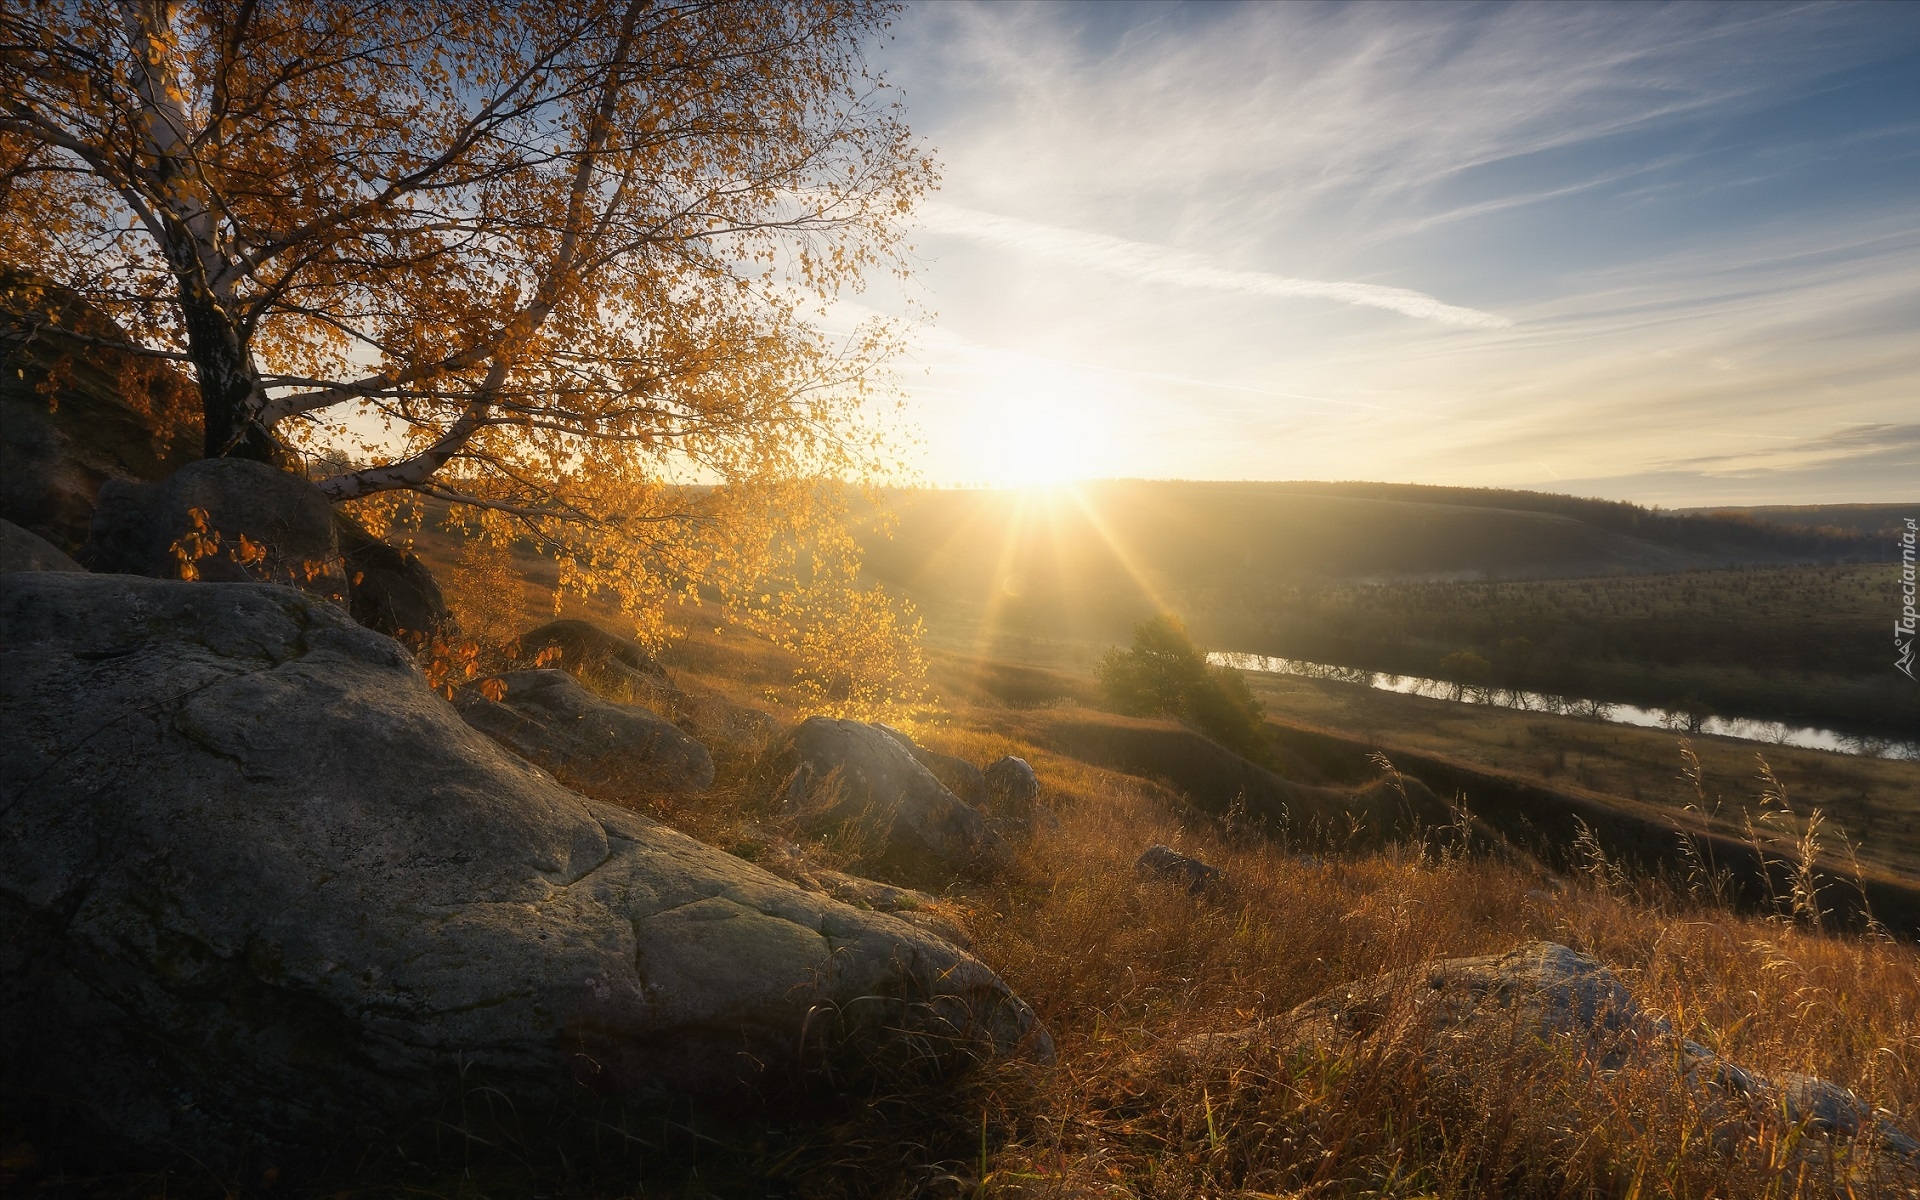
x=1096, y=557
x=1860, y=520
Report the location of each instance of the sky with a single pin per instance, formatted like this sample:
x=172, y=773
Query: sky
x=1668, y=254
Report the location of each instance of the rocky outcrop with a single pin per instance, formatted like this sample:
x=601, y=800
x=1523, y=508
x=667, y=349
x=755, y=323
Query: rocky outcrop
x=389, y=589
x=1537, y=993
x=621, y=670
x=616, y=667
x=858, y=784
x=67, y=424
x=1549, y=1006
x=619, y=753
x=24, y=550
x=261, y=884
x=224, y=520
x=792, y=863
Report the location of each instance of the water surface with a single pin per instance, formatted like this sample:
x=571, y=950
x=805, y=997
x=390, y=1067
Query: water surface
x=1778, y=733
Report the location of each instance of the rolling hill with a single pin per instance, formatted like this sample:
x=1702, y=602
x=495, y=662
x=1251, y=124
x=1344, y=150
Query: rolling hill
x=1096, y=557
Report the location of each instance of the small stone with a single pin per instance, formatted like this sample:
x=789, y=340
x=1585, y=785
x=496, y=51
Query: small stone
x=1164, y=862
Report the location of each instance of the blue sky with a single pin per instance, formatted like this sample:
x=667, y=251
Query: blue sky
x=1661, y=253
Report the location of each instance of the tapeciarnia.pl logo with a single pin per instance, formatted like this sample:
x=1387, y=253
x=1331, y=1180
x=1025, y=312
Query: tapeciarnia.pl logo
x=1903, y=629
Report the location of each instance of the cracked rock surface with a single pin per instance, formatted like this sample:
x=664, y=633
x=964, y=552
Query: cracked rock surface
x=263, y=886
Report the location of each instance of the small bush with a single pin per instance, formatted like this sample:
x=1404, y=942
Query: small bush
x=1165, y=674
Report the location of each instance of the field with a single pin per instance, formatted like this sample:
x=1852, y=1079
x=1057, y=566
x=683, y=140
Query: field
x=1873, y=803
x=1127, y=973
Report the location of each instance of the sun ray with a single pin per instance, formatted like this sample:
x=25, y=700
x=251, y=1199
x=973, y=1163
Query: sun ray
x=1129, y=562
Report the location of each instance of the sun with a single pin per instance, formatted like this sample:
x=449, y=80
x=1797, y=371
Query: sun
x=1045, y=449
x=1048, y=429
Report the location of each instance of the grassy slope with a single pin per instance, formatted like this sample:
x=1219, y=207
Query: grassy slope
x=1123, y=971
x=1874, y=803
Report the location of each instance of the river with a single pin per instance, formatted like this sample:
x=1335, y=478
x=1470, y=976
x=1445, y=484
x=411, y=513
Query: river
x=1777, y=733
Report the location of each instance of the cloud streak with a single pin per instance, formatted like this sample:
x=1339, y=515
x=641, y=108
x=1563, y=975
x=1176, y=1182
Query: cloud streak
x=1164, y=264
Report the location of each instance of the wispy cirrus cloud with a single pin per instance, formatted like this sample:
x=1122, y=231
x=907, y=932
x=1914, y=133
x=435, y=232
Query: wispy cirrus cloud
x=1164, y=264
x=1640, y=237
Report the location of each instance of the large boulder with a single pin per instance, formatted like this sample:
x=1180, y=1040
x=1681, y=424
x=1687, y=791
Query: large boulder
x=24, y=550
x=224, y=520
x=961, y=777
x=613, y=752
x=261, y=885
x=75, y=413
x=857, y=783
x=389, y=589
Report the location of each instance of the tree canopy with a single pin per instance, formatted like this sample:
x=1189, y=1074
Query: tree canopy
x=566, y=266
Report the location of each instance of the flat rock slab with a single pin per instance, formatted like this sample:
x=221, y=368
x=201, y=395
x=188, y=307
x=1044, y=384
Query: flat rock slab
x=619, y=753
x=263, y=886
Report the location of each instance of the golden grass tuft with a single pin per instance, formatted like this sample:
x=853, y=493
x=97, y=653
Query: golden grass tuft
x=1125, y=971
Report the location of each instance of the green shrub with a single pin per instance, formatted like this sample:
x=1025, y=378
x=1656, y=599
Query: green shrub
x=1165, y=674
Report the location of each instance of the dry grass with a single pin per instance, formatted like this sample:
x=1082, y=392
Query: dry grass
x=1124, y=971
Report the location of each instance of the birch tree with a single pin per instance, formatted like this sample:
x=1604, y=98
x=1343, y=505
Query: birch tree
x=566, y=267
